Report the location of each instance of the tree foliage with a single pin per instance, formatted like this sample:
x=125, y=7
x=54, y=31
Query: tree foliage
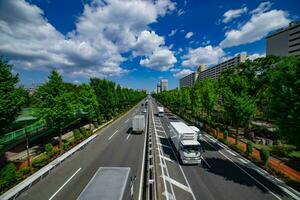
x=12, y=97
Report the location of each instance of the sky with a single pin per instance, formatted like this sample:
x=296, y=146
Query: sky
x=134, y=43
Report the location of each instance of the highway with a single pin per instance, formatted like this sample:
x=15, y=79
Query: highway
x=114, y=146
x=222, y=174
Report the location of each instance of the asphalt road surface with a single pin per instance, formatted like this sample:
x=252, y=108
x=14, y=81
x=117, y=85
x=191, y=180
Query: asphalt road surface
x=223, y=174
x=115, y=146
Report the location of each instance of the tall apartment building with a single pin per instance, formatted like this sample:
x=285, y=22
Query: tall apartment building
x=163, y=85
x=190, y=80
x=285, y=41
x=215, y=71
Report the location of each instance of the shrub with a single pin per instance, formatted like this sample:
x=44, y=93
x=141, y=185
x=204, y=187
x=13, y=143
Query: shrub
x=264, y=155
x=96, y=124
x=249, y=148
x=77, y=134
x=237, y=148
x=8, y=175
x=22, y=172
x=66, y=145
x=83, y=131
x=55, y=151
x=48, y=149
x=225, y=135
x=280, y=151
x=40, y=161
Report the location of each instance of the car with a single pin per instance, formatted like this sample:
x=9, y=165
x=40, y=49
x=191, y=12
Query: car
x=145, y=111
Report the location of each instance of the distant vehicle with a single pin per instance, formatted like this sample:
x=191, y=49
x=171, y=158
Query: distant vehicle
x=186, y=144
x=197, y=130
x=160, y=111
x=109, y=183
x=142, y=104
x=145, y=111
x=138, y=123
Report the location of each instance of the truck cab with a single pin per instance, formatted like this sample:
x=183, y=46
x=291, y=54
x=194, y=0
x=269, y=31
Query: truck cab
x=160, y=111
x=190, y=152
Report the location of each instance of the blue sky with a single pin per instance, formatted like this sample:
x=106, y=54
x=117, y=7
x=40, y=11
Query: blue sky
x=134, y=43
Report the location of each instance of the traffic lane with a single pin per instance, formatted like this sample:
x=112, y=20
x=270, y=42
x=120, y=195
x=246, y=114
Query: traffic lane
x=51, y=183
x=246, y=167
x=223, y=176
x=120, y=153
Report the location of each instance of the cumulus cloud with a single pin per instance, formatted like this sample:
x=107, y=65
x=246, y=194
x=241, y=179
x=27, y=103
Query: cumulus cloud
x=256, y=55
x=162, y=59
x=259, y=25
x=183, y=73
x=232, y=14
x=208, y=55
x=262, y=7
x=189, y=35
x=103, y=32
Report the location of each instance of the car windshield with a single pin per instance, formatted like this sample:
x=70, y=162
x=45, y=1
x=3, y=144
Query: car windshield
x=191, y=148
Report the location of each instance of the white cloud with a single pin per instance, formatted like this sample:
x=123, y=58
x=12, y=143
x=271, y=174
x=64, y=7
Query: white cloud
x=262, y=7
x=173, y=32
x=259, y=25
x=189, y=35
x=232, y=14
x=174, y=70
x=183, y=73
x=202, y=55
x=162, y=59
x=180, y=12
x=256, y=55
x=103, y=32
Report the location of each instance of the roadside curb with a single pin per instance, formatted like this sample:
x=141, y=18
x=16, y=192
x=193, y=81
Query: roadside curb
x=13, y=192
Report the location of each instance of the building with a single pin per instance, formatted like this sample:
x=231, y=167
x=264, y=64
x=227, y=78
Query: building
x=190, y=80
x=158, y=88
x=163, y=85
x=285, y=41
x=215, y=71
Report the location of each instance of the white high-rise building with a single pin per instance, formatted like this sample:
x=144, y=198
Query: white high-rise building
x=163, y=85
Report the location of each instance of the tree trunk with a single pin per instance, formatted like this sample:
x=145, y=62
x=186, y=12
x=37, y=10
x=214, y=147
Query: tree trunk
x=236, y=135
x=60, y=141
x=27, y=149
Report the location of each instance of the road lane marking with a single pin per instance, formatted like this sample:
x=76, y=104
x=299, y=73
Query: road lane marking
x=168, y=159
x=64, y=184
x=205, y=162
x=128, y=135
x=243, y=161
x=178, y=184
x=163, y=145
x=113, y=134
x=192, y=193
x=245, y=171
x=231, y=152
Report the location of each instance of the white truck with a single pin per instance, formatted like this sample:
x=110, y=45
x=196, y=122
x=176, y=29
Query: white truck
x=138, y=124
x=197, y=130
x=160, y=111
x=185, y=142
x=109, y=183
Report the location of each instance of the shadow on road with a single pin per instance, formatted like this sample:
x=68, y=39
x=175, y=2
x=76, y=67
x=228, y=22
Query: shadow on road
x=230, y=172
x=167, y=151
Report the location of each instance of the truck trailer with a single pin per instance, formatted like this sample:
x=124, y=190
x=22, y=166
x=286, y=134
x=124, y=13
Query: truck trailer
x=160, y=111
x=185, y=141
x=138, y=124
x=109, y=183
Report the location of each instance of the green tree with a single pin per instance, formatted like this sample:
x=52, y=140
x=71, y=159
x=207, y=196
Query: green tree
x=239, y=106
x=209, y=96
x=56, y=106
x=284, y=106
x=88, y=102
x=12, y=98
x=196, y=103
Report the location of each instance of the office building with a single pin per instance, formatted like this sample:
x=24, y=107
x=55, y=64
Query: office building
x=158, y=88
x=163, y=85
x=190, y=80
x=285, y=41
x=215, y=71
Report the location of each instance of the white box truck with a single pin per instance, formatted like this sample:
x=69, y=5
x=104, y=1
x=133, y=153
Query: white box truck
x=138, y=124
x=197, y=130
x=160, y=111
x=109, y=183
x=185, y=142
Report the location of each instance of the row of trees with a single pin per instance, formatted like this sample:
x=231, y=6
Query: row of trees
x=267, y=88
x=58, y=103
